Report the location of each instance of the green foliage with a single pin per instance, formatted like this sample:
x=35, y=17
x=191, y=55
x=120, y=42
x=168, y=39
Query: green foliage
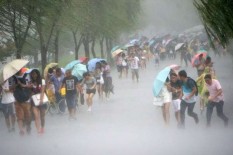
x=217, y=18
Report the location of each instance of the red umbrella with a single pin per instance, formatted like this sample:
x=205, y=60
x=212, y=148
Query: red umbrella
x=196, y=57
x=83, y=59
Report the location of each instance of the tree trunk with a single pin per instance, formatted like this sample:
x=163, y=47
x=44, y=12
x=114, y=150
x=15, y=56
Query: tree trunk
x=18, y=53
x=35, y=59
x=93, y=48
x=86, y=46
x=43, y=56
x=56, y=44
x=108, y=55
x=102, y=47
x=77, y=44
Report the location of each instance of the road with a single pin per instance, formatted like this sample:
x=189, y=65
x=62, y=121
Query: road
x=129, y=124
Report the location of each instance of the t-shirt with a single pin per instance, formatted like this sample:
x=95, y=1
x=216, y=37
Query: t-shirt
x=213, y=89
x=187, y=90
x=176, y=85
x=57, y=82
x=134, y=63
x=7, y=97
x=70, y=85
x=89, y=83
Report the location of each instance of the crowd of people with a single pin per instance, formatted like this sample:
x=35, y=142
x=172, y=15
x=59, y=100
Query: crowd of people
x=25, y=95
x=19, y=91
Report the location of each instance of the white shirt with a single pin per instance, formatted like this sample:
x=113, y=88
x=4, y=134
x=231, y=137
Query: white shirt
x=7, y=97
x=134, y=63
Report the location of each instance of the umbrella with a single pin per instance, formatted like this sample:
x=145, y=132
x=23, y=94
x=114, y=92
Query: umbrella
x=12, y=68
x=115, y=48
x=175, y=67
x=83, y=59
x=160, y=80
x=151, y=42
x=51, y=65
x=202, y=51
x=196, y=57
x=78, y=70
x=115, y=53
x=92, y=63
x=128, y=45
x=71, y=64
x=178, y=46
x=134, y=41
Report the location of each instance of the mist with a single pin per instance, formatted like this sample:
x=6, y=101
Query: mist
x=163, y=16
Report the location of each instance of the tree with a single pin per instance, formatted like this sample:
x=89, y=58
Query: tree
x=15, y=19
x=217, y=18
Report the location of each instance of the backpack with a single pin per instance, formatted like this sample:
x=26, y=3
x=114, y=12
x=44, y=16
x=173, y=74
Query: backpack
x=22, y=94
x=188, y=84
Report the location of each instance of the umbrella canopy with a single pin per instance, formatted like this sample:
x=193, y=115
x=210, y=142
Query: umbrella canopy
x=92, y=63
x=178, y=46
x=78, y=70
x=115, y=53
x=175, y=67
x=71, y=64
x=12, y=68
x=160, y=80
x=128, y=45
x=51, y=65
x=134, y=41
x=202, y=51
x=196, y=57
x=83, y=59
x=151, y=42
x=115, y=48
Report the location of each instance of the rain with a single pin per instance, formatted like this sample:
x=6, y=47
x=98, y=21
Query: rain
x=116, y=60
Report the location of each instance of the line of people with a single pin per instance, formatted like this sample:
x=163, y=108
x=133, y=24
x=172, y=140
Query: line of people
x=18, y=91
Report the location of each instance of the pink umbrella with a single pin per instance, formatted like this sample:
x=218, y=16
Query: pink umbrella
x=196, y=57
x=175, y=67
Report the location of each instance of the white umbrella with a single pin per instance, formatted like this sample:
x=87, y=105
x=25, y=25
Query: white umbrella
x=178, y=46
x=12, y=68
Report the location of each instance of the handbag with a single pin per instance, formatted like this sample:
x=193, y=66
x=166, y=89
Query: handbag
x=36, y=99
x=101, y=80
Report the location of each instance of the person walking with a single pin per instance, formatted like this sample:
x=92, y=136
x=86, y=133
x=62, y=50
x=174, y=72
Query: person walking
x=134, y=64
x=22, y=94
x=70, y=83
x=90, y=83
x=189, y=90
x=176, y=89
x=37, y=85
x=215, y=99
x=8, y=106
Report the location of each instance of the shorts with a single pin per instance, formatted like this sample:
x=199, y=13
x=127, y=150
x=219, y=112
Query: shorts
x=119, y=68
x=71, y=101
x=90, y=91
x=8, y=110
x=176, y=104
x=23, y=111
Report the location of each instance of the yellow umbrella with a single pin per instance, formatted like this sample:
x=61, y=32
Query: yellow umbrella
x=51, y=65
x=12, y=68
x=116, y=52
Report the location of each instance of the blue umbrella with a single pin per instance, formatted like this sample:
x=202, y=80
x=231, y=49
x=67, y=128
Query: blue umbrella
x=71, y=64
x=78, y=70
x=92, y=63
x=115, y=48
x=160, y=80
x=151, y=42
